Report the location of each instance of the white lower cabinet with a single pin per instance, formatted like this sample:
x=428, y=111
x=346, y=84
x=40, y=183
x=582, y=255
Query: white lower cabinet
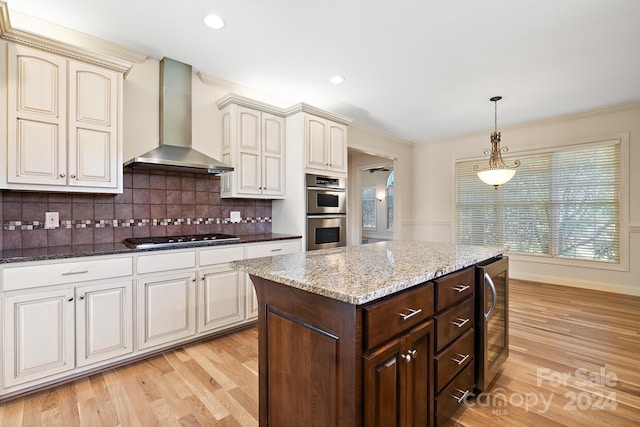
x=53, y=331
x=281, y=247
x=221, y=298
x=38, y=335
x=166, y=308
x=104, y=328
x=64, y=318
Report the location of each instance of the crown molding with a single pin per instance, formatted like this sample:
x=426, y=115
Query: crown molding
x=306, y=108
x=232, y=98
x=33, y=32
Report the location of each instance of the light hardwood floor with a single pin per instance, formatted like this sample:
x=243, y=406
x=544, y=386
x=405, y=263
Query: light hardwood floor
x=554, y=330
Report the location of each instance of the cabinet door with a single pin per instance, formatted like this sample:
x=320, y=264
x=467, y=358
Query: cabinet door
x=166, y=309
x=383, y=372
x=37, y=141
x=273, y=142
x=104, y=322
x=221, y=298
x=420, y=394
x=316, y=143
x=249, y=147
x=93, y=126
x=251, y=298
x=38, y=335
x=337, y=148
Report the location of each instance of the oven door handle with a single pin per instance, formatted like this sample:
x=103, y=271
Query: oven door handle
x=494, y=295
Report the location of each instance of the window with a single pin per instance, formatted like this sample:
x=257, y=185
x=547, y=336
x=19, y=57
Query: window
x=390, y=181
x=563, y=203
x=369, y=208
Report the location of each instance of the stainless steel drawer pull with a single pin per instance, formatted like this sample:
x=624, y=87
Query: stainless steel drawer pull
x=71, y=273
x=460, y=399
x=461, y=288
x=412, y=313
x=276, y=250
x=460, y=322
x=462, y=360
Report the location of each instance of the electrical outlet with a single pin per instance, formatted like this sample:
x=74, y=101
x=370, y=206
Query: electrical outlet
x=235, y=216
x=51, y=220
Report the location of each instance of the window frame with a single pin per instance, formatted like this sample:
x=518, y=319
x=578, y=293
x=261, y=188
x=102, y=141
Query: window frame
x=624, y=240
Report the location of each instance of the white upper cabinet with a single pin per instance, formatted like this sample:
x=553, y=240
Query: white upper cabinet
x=322, y=138
x=253, y=142
x=325, y=145
x=63, y=124
x=61, y=105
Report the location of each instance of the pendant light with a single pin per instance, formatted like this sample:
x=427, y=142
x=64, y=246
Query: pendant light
x=497, y=173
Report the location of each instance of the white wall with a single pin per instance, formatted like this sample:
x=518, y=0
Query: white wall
x=434, y=198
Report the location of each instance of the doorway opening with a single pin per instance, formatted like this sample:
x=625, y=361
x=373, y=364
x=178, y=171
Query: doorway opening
x=372, y=198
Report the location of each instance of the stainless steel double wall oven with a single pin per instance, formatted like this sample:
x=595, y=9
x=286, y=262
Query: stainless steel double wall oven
x=326, y=212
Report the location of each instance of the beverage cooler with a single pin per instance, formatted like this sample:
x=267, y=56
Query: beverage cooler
x=492, y=319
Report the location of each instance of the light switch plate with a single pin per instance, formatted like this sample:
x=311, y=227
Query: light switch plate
x=235, y=216
x=51, y=220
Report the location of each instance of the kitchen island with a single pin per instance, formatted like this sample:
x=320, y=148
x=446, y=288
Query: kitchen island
x=352, y=336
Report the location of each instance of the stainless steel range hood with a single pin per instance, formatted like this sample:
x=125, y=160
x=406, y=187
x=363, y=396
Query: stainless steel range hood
x=175, y=152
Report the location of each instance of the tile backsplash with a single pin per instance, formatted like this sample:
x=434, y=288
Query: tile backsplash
x=153, y=203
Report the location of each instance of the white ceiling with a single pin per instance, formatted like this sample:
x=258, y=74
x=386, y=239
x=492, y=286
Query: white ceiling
x=421, y=70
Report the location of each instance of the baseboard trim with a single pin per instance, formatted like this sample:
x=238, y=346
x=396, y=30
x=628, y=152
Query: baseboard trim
x=593, y=286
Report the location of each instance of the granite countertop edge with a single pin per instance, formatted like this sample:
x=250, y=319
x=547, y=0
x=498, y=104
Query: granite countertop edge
x=351, y=292
x=117, y=248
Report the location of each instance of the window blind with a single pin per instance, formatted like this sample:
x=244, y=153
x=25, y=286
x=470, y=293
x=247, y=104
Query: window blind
x=561, y=203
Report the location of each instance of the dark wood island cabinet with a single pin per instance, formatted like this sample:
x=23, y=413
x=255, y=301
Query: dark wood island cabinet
x=371, y=335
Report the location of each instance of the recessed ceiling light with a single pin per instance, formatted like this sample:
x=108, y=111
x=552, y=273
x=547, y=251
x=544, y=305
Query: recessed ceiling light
x=214, y=21
x=336, y=80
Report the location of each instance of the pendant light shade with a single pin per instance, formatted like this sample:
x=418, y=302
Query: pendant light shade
x=497, y=172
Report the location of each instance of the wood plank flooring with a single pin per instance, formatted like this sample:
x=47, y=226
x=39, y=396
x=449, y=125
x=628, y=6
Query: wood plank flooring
x=593, y=338
x=554, y=330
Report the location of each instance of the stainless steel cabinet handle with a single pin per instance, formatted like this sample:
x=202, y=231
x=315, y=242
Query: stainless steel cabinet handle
x=413, y=353
x=462, y=359
x=494, y=295
x=276, y=250
x=70, y=299
x=460, y=399
x=461, y=288
x=62, y=175
x=412, y=313
x=73, y=177
x=460, y=322
x=81, y=297
x=71, y=273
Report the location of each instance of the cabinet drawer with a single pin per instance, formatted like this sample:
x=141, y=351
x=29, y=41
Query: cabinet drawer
x=454, y=359
x=275, y=248
x=454, y=288
x=220, y=255
x=95, y=268
x=385, y=319
x=453, y=397
x=453, y=323
x=169, y=260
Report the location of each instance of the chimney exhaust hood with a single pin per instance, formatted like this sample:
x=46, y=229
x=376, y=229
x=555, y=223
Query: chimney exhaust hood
x=175, y=152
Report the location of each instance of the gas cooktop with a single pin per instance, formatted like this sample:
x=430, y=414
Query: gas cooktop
x=192, y=239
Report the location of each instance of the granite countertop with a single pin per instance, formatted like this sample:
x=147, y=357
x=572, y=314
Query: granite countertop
x=74, y=251
x=360, y=274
